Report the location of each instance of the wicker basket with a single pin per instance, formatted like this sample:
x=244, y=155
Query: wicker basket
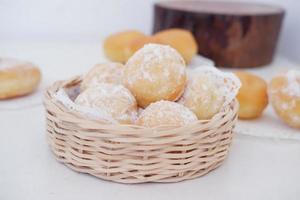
x=135, y=154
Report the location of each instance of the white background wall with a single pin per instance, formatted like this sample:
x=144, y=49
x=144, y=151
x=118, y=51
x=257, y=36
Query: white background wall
x=81, y=20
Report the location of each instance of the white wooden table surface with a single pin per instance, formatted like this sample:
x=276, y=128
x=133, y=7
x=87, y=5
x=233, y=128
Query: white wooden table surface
x=257, y=168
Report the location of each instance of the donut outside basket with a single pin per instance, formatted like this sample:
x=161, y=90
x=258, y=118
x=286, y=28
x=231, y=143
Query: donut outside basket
x=135, y=154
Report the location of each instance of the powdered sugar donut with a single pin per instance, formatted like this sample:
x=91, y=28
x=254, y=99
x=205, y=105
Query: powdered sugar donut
x=111, y=100
x=284, y=92
x=103, y=73
x=155, y=72
x=166, y=113
x=17, y=78
x=208, y=90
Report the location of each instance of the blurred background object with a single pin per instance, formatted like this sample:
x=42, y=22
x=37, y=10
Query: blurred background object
x=233, y=34
x=92, y=20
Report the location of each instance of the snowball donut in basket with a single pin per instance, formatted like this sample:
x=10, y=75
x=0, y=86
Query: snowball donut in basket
x=150, y=120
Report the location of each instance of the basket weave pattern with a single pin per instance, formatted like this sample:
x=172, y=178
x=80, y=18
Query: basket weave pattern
x=134, y=154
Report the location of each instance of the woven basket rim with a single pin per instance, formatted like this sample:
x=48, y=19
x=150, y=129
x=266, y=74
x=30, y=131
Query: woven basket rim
x=49, y=96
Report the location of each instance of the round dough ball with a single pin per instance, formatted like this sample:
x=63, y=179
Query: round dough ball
x=155, y=72
x=166, y=113
x=115, y=46
x=17, y=78
x=252, y=96
x=284, y=91
x=180, y=39
x=202, y=95
x=103, y=73
x=139, y=43
x=114, y=101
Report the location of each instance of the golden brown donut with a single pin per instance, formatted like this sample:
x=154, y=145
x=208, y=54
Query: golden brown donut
x=103, y=73
x=166, y=113
x=252, y=96
x=182, y=40
x=116, y=45
x=155, y=72
x=17, y=78
x=284, y=91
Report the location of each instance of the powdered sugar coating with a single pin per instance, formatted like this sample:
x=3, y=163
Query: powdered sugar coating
x=166, y=113
x=284, y=93
x=114, y=101
x=62, y=96
x=227, y=83
x=103, y=73
x=154, y=55
x=208, y=90
x=288, y=84
x=293, y=83
x=155, y=72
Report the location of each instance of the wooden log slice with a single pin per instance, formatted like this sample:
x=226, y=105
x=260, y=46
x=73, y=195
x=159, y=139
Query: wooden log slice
x=232, y=34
